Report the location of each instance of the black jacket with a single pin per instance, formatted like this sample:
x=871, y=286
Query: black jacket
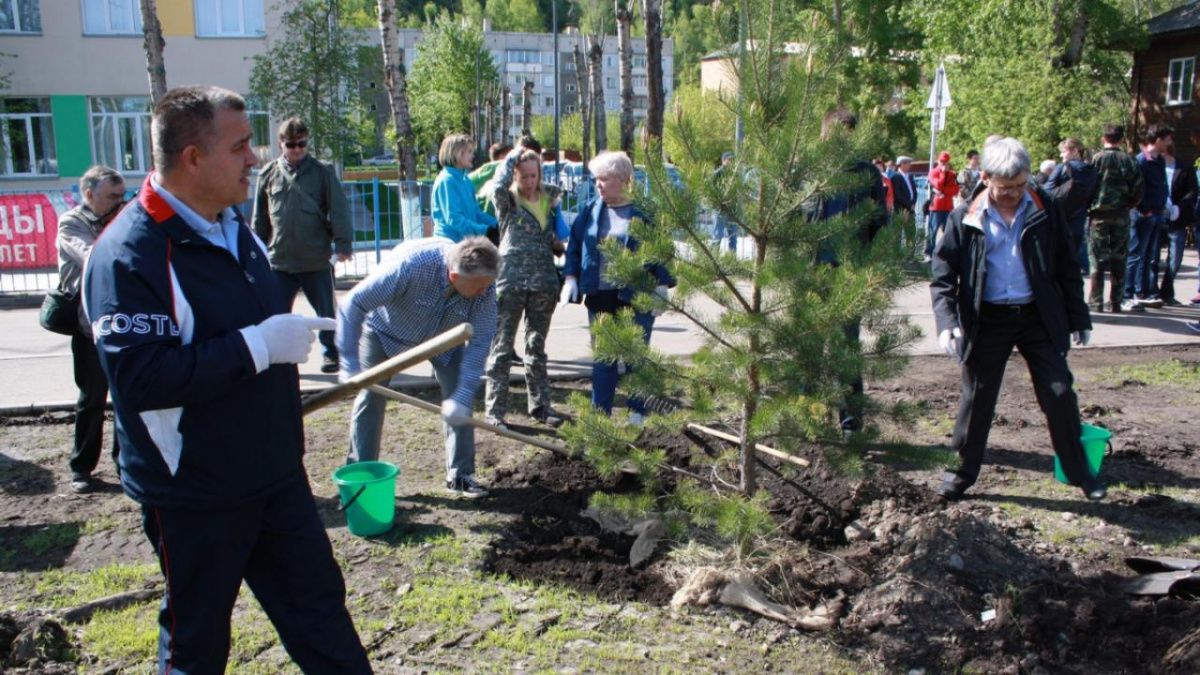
x=905, y=199
x=960, y=269
x=1183, y=193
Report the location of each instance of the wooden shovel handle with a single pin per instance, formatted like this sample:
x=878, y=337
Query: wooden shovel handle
x=384, y=371
x=478, y=424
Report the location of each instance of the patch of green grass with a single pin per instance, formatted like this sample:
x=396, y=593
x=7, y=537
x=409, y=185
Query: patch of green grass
x=99, y=524
x=251, y=634
x=443, y=603
x=129, y=635
x=917, y=456
x=939, y=425
x=63, y=588
x=1171, y=373
x=50, y=538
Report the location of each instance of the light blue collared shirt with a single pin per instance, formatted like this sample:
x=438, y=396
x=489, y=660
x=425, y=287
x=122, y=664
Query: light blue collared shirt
x=223, y=233
x=1005, y=281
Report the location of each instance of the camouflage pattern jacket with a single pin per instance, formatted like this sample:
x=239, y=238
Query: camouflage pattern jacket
x=526, y=246
x=1118, y=183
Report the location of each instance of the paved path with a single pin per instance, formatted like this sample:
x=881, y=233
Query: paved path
x=35, y=366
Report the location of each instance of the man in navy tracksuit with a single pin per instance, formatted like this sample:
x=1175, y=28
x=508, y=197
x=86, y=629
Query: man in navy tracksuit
x=200, y=356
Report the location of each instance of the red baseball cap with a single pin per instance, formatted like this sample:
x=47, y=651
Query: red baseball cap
x=944, y=157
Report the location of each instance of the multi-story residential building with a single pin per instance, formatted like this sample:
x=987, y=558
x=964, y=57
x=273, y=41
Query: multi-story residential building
x=522, y=57
x=78, y=91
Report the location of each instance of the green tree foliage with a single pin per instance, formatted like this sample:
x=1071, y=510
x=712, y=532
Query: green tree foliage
x=698, y=30
x=307, y=67
x=570, y=131
x=442, y=81
x=715, y=116
x=777, y=361
x=1010, y=71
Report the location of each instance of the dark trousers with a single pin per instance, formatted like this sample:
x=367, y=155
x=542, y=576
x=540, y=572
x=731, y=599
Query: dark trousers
x=606, y=374
x=982, y=374
x=318, y=290
x=89, y=408
x=278, y=545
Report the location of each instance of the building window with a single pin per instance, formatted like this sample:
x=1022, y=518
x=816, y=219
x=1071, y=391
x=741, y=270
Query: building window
x=610, y=62
x=610, y=83
x=522, y=56
x=1180, y=77
x=26, y=138
x=570, y=89
x=20, y=16
x=229, y=18
x=549, y=102
x=638, y=61
x=261, y=139
x=639, y=81
x=121, y=132
x=547, y=80
x=111, y=17
x=570, y=110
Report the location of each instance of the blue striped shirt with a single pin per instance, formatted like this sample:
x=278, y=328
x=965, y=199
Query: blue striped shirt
x=407, y=300
x=1005, y=281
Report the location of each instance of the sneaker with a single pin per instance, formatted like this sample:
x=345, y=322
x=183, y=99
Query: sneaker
x=953, y=487
x=1095, y=491
x=1096, y=307
x=1172, y=302
x=329, y=364
x=1153, y=303
x=81, y=483
x=517, y=360
x=548, y=416
x=495, y=421
x=1193, y=326
x=637, y=419
x=1132, y=305
x=466, y=487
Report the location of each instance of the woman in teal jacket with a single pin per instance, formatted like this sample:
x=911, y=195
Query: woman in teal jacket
x=456, y=214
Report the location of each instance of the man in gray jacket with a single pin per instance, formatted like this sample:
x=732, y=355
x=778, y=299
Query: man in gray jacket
x=302, y=215
x=103, y=193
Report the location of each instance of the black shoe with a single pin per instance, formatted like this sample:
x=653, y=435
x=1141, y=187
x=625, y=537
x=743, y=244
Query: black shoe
x=952, y=488
x=517, y=360
x=329, y=364
x=466, y=486
x=548, y=416
x=1095, y=491
x=82, y=483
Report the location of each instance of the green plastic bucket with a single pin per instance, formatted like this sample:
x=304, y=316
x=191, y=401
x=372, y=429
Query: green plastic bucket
x=367, y=491
x=1095, y=443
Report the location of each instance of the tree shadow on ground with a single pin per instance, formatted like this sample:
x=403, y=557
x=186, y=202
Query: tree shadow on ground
x=1120, y=467
x=21, y=478
x=1153, y=520
x=37, y=547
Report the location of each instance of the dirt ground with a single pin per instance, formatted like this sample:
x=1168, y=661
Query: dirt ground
x=1025, y=576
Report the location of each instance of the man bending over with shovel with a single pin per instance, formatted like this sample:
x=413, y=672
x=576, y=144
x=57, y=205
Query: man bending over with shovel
x=425, y=287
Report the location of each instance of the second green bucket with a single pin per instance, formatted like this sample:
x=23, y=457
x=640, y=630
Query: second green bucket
x=1095, y=444
x=367, y=491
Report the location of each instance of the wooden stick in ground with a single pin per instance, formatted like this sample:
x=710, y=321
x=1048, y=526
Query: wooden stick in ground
x=478, y=424
x=779, y=454
x=384, y=371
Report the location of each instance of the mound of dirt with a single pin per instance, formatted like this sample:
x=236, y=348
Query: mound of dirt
x=34, y=643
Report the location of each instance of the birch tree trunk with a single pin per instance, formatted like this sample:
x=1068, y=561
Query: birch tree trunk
x=153, y=41
x=526, y=107
x=505, y=114
x=625, y=50
x=397, y=90
x=595, y=52
x=584, y=89
x=652, y=12
x=489, y=120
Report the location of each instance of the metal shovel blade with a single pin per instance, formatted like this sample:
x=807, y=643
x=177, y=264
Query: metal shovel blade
x=1147, y=565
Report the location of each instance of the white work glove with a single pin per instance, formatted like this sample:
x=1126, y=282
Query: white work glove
x=454, y=413
x=1174, y=213
x=570, y=291
x=289, y=337
x=1081, y=337
x=948, y=341
x=663, y=293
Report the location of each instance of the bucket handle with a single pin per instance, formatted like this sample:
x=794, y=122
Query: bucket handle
x=343, y=507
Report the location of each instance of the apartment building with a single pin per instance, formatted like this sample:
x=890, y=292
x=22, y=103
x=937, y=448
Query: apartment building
x=522, y=57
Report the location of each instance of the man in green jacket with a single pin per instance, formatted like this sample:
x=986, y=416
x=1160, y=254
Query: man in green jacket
x=302, y=215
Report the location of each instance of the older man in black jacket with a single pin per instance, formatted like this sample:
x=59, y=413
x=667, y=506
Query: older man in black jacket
x=1005, y=276
x=1181, y=178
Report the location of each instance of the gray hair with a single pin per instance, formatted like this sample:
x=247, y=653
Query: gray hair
x=612, y=163
x=1004, y=158
x=96, y=176
x=474, y=257
x=903, y=159
x=187, y=116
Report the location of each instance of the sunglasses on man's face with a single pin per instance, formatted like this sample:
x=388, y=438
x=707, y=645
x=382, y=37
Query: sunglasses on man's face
x=296, y=144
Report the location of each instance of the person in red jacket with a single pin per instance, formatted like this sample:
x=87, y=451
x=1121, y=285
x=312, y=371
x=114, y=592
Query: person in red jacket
x=943, y=186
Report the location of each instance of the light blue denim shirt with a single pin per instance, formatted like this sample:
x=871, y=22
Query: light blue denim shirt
x=1005, y=281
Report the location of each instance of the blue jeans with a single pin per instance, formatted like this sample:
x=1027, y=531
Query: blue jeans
x=1176, y=241
x=1143, y=248
x=366, y=418
x=605, y=375
x=937, y=221
x=723, y=226
x=318, y=290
